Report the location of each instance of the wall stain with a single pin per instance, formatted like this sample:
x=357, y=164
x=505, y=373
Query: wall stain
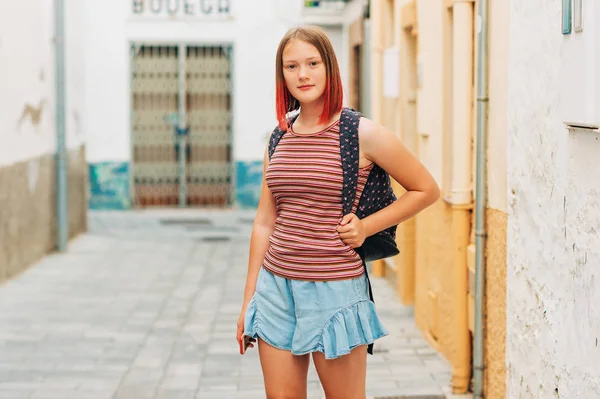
x=77, y=122
x=34, y=113
x=565, y=216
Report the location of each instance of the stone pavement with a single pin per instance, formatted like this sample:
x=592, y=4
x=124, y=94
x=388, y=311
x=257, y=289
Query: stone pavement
x=145, y=306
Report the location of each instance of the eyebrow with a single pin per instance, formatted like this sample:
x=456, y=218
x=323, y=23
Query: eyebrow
x=309, y=58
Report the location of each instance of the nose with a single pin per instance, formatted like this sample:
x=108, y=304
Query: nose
x=302, y=73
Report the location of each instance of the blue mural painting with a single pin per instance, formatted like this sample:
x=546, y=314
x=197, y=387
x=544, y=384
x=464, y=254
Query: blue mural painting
x=109, y=185
x=248, y=181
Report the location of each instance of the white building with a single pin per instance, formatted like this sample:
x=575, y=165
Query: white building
x=28, y=133
x=131, y=91
x=553, y=240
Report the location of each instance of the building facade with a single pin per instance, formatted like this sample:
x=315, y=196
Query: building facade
x=553, y=245
x=28, y=183
x=428, y=55
x=541, y=126
x=225, y=50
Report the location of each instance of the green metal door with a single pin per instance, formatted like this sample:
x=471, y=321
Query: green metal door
x=200, y=103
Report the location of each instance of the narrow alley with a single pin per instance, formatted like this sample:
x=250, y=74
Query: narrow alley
x=145, y=306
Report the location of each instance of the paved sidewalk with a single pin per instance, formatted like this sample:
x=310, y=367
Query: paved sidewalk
x=140, y=308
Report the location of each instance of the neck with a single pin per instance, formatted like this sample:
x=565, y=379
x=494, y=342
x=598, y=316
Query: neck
x=310, y=113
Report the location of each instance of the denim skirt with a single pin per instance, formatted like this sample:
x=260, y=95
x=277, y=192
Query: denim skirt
x=331, y=317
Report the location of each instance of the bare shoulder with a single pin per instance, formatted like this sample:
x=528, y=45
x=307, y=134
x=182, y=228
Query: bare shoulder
x=373, y=135
x=369, y=129
x=382, y=146
x=367, y=126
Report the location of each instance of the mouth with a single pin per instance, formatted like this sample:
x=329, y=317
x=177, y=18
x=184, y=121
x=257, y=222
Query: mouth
x=305, y=87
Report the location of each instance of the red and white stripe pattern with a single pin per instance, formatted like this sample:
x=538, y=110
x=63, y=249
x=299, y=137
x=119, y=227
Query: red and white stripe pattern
x=305, y=177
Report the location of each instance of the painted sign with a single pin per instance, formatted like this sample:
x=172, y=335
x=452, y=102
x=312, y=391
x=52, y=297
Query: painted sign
x=181, y=8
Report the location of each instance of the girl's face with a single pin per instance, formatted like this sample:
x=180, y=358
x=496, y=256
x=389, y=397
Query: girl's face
x=304, y=71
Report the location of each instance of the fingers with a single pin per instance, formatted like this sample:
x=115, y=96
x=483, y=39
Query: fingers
x=350, y=239
x=348, y=230
x=347, y=223
x=347, y=219
x=345, y=229
x=239, y=334
x=349, y=235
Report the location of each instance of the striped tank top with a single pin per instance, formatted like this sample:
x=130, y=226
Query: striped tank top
x=305, y=177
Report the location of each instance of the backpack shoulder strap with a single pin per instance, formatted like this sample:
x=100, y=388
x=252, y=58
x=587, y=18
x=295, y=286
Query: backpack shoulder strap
x=276, y=135
x=349, y=152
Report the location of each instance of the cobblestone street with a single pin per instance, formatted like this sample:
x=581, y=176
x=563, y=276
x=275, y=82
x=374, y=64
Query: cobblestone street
x=145, y=306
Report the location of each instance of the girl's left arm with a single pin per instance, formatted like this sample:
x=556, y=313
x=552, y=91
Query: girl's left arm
x=386, y=150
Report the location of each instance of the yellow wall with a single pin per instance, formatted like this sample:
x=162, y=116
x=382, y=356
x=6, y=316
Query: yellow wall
x=422, y=117
x=355, y=42
x=495, y=305
x=432, y=251
x=405, y=263
x=433, y=296
x=436, y=269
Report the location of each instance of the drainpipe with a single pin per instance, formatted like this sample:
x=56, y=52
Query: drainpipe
x=61, y=150
x=461, y=190
x=480, y=194
x=181, y=135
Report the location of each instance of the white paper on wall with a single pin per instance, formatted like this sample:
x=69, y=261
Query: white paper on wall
x=391, y=72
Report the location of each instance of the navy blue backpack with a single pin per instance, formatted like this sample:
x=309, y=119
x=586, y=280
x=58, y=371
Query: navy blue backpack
x=376, y=195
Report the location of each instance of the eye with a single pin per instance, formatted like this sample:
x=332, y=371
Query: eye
x=314, y=63
x=290, y=67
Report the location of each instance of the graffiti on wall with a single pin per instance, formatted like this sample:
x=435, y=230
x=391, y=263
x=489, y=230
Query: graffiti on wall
x=33, y=113
x=248, y=183
x=109, y=185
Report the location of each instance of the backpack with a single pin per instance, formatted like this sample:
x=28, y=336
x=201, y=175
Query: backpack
x=376, y=195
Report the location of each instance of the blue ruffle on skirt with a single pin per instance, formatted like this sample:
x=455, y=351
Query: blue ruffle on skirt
x=355, y=325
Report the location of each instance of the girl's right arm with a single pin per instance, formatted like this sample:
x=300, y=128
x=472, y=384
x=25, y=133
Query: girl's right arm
x=264, y=225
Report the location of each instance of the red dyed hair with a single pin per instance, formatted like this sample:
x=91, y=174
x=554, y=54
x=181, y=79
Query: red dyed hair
x=333, y=94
